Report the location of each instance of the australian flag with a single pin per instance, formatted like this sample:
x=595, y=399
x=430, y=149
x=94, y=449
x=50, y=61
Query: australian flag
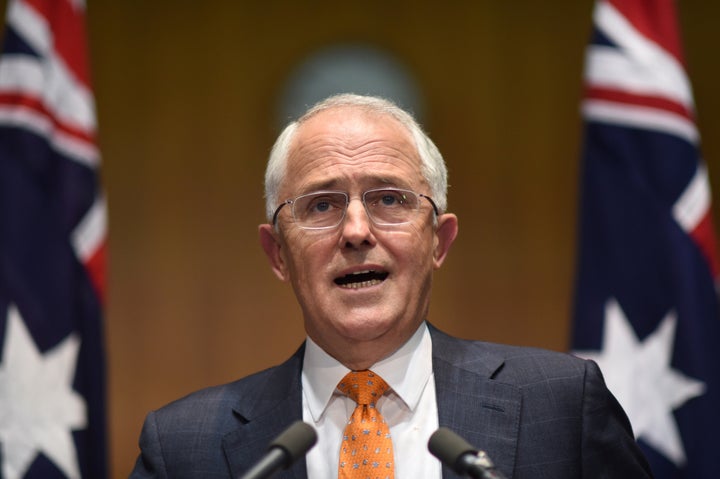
x=646, y=306
x=52, y=244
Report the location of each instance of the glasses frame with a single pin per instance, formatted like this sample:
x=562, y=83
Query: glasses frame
x=291, y=202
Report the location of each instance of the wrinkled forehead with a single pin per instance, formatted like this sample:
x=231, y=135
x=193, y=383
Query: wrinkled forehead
x=351, y=147
x=354, y=125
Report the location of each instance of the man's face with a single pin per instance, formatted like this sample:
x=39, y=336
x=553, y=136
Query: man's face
x=359, y=285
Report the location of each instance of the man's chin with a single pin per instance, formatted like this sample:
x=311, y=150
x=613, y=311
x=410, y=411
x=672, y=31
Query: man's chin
x=370, y=327
x=360, y=324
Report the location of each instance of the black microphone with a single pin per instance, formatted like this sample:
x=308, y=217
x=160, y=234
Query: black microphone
x=292, y=444
x=456, y=453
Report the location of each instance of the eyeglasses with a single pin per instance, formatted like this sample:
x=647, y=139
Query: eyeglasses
x=326, y=209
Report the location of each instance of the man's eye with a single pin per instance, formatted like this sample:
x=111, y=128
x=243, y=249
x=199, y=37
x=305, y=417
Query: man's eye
x=321, y=206
x=392, y=198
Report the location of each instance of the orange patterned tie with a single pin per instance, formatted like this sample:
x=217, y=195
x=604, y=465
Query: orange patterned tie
x=366, y=450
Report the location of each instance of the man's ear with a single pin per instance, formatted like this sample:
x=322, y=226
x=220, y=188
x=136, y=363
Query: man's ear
x=273, y=249
x=445, y=233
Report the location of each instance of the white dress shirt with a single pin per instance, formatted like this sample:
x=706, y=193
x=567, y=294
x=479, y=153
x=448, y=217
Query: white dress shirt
x=409, y=407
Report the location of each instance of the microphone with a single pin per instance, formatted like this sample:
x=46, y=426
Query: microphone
x=292, y=444
x=456, y=453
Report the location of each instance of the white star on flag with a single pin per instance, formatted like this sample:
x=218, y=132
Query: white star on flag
x=640, y=376
x=38, y=407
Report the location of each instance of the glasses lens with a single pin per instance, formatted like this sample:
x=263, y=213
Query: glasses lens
x=391, y=207
x=319, y=210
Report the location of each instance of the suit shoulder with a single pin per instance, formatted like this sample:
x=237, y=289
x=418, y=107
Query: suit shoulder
x=543, y=377
x=518, y=364
x=216, y=402
x=529, y=356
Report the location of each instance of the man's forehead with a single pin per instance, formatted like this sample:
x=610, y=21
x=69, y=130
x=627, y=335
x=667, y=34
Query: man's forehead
x=351, y=122
x=365, y=181
x=345, y=146
x=352, y=138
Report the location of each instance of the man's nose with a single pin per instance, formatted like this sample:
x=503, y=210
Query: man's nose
x=356, y=226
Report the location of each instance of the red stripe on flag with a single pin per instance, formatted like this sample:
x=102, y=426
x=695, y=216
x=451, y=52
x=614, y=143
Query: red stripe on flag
x=657, y=102
x=67, y=24
x=654, y=19
x=704, y=237
x=23, y=101
x=96, y=267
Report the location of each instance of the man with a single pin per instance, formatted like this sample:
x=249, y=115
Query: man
x=356, y=198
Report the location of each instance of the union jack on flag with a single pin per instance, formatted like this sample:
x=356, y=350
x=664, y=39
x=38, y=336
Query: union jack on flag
x=646, y=307
x=52, y=249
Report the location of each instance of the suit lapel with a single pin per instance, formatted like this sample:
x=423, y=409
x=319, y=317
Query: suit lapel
x=482, y=410
x=265, y=412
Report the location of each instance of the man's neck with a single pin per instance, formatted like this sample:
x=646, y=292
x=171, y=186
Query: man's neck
x=360, y=355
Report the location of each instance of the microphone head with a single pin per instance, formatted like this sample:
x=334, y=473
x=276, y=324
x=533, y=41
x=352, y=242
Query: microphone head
x=449, y=448
x=296, y=441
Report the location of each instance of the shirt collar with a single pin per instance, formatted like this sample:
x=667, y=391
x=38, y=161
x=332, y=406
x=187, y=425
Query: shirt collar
x=406, y=371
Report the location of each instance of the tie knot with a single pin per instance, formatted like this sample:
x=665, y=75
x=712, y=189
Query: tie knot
x=364, y=387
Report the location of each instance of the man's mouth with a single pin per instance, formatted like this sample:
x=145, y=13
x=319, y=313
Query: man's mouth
x=361, y=279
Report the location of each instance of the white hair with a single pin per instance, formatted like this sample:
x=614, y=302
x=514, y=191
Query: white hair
x=432, y=165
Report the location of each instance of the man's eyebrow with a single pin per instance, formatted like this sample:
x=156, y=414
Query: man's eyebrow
x=368, y=183
x=392, y=181
x=320, y=185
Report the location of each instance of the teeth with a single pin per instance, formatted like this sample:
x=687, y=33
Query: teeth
x=361, y=279
x=363, y=284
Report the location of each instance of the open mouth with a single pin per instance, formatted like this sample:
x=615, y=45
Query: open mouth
x=361, y=279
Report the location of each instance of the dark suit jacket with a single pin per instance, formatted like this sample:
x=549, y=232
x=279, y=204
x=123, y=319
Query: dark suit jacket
x=538, y=414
